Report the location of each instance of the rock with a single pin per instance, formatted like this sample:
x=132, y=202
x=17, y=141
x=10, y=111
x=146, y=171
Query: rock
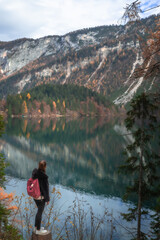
x=44, y=236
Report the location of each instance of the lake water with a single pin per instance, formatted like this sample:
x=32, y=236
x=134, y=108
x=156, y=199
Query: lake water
x=82, y=162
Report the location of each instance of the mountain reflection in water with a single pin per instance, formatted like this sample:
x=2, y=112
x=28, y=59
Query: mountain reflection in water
x=81, y=154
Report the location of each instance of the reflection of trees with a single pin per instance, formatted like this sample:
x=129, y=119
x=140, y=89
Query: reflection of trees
x=88, y=161
x=57, y=130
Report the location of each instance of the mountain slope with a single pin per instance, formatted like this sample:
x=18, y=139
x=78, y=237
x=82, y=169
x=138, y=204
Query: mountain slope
x=102, y=58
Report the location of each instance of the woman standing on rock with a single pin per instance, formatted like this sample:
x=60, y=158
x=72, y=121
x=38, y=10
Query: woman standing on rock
x=40, y=173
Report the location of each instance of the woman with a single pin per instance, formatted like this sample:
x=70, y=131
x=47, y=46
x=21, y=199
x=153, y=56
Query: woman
x=40, y=173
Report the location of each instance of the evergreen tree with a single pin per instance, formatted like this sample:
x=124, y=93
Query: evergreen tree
x=146, y=171
x=141, y=161
x=7, y=231
x=9, y=110
x=42, y=108
x=156, y=221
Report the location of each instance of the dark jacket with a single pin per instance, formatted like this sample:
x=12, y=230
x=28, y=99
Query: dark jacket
x=43, y=183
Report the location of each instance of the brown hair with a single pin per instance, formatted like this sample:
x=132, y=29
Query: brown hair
x=42, y=165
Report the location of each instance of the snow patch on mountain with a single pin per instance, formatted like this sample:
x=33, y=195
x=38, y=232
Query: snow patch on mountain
x=127, y=96
x=22, y=83
x=132, y=89
x=84, y=62
x=86, y=37
x=3, y=54
x=68, y=40
x=26, y=52
x=138, y=61
x=103, y=52
x=68, y=71
x=47, y=72
x=152, y=83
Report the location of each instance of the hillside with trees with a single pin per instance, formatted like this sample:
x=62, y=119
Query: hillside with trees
x=53, y=100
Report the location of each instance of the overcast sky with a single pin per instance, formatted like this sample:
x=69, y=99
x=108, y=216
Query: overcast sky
x=38, y=18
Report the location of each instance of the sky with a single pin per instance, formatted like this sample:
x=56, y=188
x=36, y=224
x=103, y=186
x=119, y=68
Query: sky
x=39, y=18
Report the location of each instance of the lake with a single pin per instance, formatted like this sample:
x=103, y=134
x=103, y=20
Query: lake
x=82, y=162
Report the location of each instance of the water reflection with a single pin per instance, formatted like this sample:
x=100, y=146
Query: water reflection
x=81, y=154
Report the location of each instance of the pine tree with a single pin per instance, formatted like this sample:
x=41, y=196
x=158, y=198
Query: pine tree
x=9, y=110
x=141, y=161
x=42, y=108
x=150, y=69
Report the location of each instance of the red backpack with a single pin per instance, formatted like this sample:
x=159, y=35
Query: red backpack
x=33, y=188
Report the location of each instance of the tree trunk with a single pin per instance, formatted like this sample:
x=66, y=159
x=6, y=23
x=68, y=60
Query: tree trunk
x=140, y=183
x=139, y=201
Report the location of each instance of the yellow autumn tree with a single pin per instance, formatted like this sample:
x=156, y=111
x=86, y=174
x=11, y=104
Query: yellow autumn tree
x=24, y=107
x=54, y=104
x=7, y=199
x=64, y=105
x=28, y=96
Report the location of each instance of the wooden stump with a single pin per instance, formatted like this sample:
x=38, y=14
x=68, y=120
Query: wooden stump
x=44, y=236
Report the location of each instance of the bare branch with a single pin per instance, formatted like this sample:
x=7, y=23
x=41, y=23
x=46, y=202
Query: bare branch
x=150, y=8
x=132, y=11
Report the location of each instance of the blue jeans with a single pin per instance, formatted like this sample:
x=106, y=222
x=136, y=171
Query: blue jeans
x=40, y=205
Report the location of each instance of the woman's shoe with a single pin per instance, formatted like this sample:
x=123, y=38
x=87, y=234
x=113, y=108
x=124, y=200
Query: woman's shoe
x=41, y=231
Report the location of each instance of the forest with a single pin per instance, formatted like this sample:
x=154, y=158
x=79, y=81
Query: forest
x=58, y=99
